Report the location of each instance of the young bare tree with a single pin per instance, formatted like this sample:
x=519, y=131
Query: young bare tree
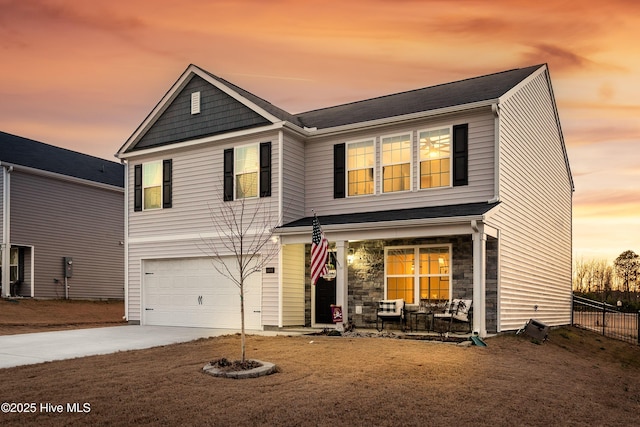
x=244, y=229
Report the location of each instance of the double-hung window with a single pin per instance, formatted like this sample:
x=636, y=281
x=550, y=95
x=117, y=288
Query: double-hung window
x=435, y=157
x=152, y=185
x=416, y=273
x=246, y=171
x=360, y=167
x=434, y=273
x=396, y=163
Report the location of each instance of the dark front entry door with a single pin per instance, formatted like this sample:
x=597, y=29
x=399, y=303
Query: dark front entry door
x=325, y=296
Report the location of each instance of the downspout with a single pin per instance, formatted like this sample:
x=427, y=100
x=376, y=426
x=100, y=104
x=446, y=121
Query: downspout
x=126, y=240
x=6, y=228
x=495, y=109
x=280, y=221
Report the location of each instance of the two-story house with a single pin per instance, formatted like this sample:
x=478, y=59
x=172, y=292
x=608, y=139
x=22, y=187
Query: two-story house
x=62, y=222
x=460, y=190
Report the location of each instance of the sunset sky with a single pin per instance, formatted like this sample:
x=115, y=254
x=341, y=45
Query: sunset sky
x=84, y=74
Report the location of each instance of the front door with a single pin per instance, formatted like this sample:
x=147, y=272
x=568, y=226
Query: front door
x=325, y=296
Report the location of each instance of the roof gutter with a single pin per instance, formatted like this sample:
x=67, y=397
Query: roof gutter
x=378, y=225
x=397, y=119
x=62, y=177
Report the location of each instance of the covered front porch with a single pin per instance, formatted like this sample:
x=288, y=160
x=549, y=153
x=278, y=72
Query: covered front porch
x=422, y=260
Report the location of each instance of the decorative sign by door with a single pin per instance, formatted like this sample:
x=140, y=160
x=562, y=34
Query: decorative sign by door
x=336, y=313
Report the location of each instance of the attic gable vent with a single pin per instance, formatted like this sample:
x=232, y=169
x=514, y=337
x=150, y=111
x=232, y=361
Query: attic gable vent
x=195, y=103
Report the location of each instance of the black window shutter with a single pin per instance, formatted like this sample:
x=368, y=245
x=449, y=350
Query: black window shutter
x=137, y=188
x=167, y=192
x=338, y=171
x=460, y=155
x=265, y=169
x=228, y=174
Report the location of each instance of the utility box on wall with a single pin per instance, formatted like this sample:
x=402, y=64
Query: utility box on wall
x=68, y=266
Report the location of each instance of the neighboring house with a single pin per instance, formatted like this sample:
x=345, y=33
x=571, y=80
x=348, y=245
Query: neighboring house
x=461, y=190
x=58, y=204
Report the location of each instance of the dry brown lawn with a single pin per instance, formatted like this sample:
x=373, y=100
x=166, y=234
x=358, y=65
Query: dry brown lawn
x=575, y=378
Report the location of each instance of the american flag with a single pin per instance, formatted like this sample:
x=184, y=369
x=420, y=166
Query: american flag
x=319, y=247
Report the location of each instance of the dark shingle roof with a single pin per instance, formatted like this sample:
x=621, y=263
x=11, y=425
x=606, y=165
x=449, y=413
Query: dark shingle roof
x=265, y=105
x=462, y=92
x=21, y=151
x=450, y=211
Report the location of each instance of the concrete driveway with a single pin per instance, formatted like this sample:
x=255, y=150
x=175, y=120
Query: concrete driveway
x=27, y=349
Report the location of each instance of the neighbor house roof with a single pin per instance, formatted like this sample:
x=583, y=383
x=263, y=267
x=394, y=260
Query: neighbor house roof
x=450, y=211
x=19, y=151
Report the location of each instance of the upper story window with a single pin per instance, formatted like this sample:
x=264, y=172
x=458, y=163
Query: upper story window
x=435, y=157
x=153, y=185
x=246, y=171
x=442, y=153
x=396, y=163
x=360, y=167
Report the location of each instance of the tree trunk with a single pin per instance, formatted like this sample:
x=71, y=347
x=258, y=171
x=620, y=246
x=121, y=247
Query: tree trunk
x=242, y=336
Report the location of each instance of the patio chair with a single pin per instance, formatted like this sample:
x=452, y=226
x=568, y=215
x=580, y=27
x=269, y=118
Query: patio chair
x=457, y=310
x=390, y=311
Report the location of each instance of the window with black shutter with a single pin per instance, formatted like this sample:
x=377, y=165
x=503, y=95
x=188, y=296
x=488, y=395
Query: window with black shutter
x=228, y=174
x=265, y=169
x=339, y=171
x=461, y=155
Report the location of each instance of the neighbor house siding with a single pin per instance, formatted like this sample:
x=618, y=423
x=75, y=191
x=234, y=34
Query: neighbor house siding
x=535, y=213
x=319, y=169
x=2, y=172
x=62, y=218
x=293, y=278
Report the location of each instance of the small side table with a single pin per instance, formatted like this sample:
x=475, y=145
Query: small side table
x=414, y=317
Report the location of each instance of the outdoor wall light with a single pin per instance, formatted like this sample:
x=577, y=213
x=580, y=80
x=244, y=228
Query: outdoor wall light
x=350, y=257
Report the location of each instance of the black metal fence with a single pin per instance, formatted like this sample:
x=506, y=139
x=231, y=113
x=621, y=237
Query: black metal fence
x=606, y=319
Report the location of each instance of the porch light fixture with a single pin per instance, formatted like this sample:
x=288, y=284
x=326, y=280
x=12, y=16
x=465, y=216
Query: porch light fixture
x=350, y=257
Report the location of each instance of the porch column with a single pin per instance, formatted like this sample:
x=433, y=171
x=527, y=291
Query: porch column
x=479, y=281
x=342, y=287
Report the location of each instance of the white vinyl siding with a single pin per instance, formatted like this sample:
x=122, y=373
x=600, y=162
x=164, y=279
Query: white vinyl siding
x=293, y=277
x=319, y=169
x=197, y=182
x=293, y=180
x=535, y=213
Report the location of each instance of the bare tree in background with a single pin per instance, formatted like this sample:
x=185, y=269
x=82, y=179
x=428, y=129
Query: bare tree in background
x=627, y=267
x=592, y=276
x=244, y=233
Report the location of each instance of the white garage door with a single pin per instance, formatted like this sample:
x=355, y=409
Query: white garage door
x=190, y=292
